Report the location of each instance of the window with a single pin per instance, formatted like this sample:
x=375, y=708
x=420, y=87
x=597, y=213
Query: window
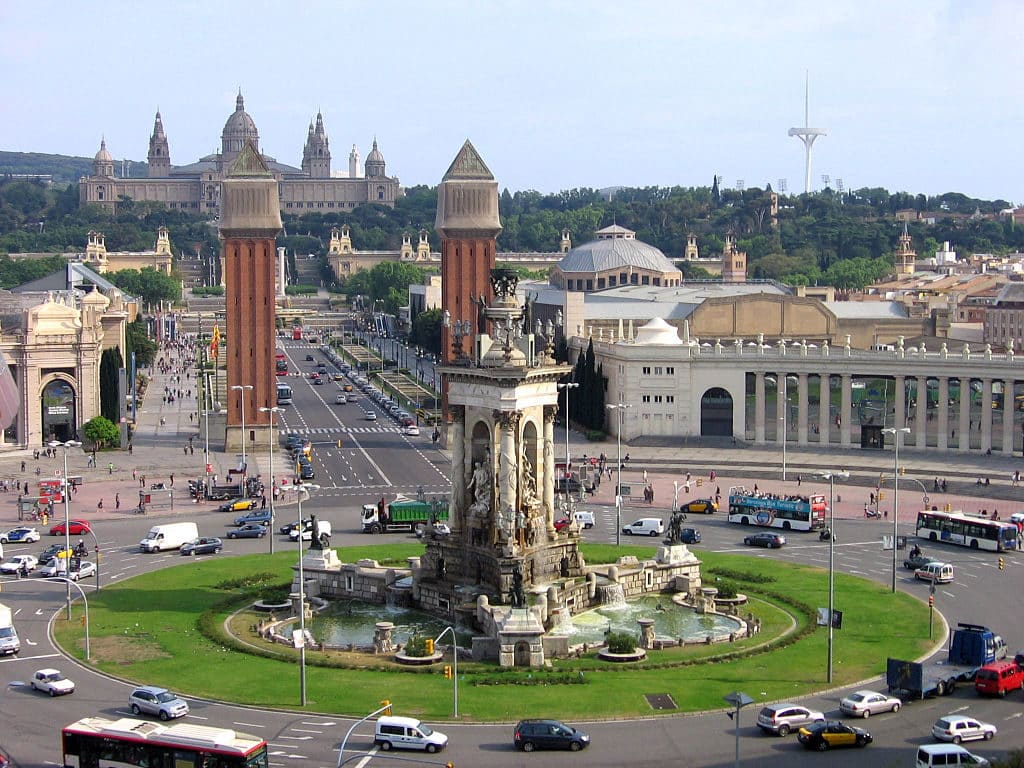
x=657, y=398
x=646, y=370
x=645, y=280
x=670, y=398
x=657, y=370
x=670, y=370
x=646, y=399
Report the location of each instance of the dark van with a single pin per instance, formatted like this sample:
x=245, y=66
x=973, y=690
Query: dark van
x=999, y=677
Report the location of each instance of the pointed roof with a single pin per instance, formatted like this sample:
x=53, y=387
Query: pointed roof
x=468, y=165
x=249, y=163
x=103, y=154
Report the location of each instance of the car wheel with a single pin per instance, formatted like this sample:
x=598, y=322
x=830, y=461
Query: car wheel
x=575, y=746
x=164, y=715
x=431, y=748
x=216, y=551
x=861, y=742
x=231, y=535
x=783, y=730
x=988, y=735
x=385, y=746
x=135, y=710
x=628, y=532
x=3, y=539
x=193, y=553
x=654, y=533
x=896, y=707
x=867, y=714
x=528, y=746
x=53, y=692
x=821, y=746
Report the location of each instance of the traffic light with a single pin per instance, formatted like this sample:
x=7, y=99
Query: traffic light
x=903, y=471
x=447, y=671
x=386, y=704
x=1002, y=563
x=430, y=646
x=881, y=495
x=81, y=619
x=449, y=765
x=931, y=601
x=339, y=442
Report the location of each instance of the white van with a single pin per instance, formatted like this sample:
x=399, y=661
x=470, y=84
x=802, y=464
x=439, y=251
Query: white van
x=9, y=642
x=930, y=755
x=584, y=518
x=407, y=733
x=168, y=536
x=645, y=526
x=323, y=528
x=937, y=573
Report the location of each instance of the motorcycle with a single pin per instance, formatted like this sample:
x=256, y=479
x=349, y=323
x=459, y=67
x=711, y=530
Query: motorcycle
x=872, y=513
x=825, y=534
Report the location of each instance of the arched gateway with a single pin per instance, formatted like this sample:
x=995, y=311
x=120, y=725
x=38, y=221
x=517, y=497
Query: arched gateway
x=716, y=413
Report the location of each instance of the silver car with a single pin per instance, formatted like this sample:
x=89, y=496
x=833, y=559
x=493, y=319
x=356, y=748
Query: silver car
x=957, y=728
x=159, y=702
x=782, y=719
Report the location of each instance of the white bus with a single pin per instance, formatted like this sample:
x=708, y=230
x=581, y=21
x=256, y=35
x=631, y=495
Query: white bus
x=284, y=394
x=966, y=530
x=768, y=510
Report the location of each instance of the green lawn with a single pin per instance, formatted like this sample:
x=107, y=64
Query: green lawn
x=148, y=629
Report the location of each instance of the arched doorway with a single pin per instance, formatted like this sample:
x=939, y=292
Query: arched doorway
x=522, y=653
x=716, y=413
x=58, y=411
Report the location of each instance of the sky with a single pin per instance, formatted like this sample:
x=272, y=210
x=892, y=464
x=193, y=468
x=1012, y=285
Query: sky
x=921, y=96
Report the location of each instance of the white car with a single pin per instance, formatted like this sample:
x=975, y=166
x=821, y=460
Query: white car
x=22, y=534
x=370, y=416
x=19, y=563
x=868, y=703
x=54, y=567
x=340, y=399
x=957, y=728
x=51, y=681
x=411, y=430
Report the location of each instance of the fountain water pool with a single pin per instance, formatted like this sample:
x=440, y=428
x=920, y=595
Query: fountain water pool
x=671, y=621
x=353, y=621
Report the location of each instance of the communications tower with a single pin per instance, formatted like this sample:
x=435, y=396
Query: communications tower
x=807, y=135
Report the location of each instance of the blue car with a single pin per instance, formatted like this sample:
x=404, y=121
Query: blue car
x=256, y=516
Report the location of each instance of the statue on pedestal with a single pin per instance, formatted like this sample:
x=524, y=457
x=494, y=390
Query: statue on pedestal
x=518, y=594
x=315, y=542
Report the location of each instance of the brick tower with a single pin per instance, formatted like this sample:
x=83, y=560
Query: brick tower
x=467, y=219
x=250, y=220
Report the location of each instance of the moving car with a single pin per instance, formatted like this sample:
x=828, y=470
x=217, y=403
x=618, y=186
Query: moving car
x=702, y=506
x=832, y=733
x=689, y=536
x=287, y=528
x=320, y=380
x=914, y=562
x=248, y=531
x=20, y=534
x=237, y=505
x=151, y=700
x=929, y=755
x=868, y=703
x=562, y=523
x=256, y=516
x=309, y=358
x=52, y=551
x=411, y=430
x=769, y=540
x=76, y=527
x=782, y=719
x=340, y=399
x=645, y=526
x=82, y=569
x=548, y=734
x=937, y=573
x=51, y=681
x=371, y=416
x=407, y=733
x=23, y=563
x=957, y=728
x=204, y=545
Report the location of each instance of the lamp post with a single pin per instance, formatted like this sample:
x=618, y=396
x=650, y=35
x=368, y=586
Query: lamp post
x=739, y=700
x=67, y=515
x=831, y=477
x=568, y=386
x=895, y=432
x=455, y=667
x=67, y=580
x=620, y=409
x=273, y=417
x=302, y=490
x=242, y=388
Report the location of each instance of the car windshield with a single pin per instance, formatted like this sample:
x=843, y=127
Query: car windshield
x=425, y=729
x=856, y=697
x=165, y=697
x=53, y=677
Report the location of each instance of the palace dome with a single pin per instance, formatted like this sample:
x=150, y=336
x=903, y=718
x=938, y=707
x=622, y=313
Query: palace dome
x=239, y=127
x=615, y=248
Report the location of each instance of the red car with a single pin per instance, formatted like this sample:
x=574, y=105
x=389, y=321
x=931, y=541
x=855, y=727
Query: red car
x=76, y=527
x=562, y=523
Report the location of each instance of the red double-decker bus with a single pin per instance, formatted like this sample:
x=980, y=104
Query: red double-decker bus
x=280, y=364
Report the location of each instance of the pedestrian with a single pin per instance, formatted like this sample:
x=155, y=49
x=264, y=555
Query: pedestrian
x=99, y=505
x=263, y=501
x=142, y=481
x=22, y=466
x=645, y=475
x=713, y=476
x=184, y=449
x=117, y=501
x=799, y=480
x=110, y=468
x=130, y=449
x=172, y=480
x=191, y=450
x=134, y=471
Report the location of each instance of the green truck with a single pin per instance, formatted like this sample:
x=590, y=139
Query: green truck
x=404, y=514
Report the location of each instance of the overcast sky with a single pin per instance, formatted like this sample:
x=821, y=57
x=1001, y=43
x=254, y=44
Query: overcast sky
x=916, y=95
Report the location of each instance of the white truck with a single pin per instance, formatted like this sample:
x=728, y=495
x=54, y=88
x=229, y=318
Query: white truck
x=168, y=536
x=9, y=642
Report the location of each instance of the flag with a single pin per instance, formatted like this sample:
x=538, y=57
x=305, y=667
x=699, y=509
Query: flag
x=215, y=342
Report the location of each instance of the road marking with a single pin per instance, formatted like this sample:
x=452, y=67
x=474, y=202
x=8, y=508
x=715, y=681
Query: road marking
x=297, y=738
x=306, y=730
x=249, y=725
x=325, y=724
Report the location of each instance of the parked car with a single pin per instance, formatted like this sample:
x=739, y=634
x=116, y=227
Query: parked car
x=769, y=540
x=51, y=681
x=256, y=516
x=19, y=563
x=248, y=531
x=204, y=545
x=568, y=485
x=22, y=534
x=782, y=719
x=305, y=473
x=238, y=505
x=548, y=734
x=832, y=733
x=689, y=536
x=701, y=506
x=76, y=527
x=957, y=728
x=151, y=700
x=868, y=703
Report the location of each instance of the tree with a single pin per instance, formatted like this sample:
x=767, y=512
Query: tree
x=426, y=330
x=140, y=343
x=110, y=364
x=101, y=431
x=148, y=284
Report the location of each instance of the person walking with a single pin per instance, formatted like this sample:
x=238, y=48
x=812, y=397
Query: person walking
x=110, y=468
x=117, y=501
x=99, y=505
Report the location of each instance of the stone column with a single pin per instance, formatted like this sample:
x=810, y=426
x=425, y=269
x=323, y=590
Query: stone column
x=507, y=465
x=458, y=434
x=942, y=443
x=846, y=409
x=899, y=419
x=824, y=408
x=549, y=466
x=801, y=396
x=1009, y=403
x=759, y=408
x=964, y=438
x=921, y=413
x=986, y=414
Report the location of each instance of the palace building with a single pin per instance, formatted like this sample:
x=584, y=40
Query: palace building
x=196, y=187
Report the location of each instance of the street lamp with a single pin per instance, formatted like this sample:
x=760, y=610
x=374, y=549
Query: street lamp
x=895, y=432
x=831, y=477
x=273, y=417
x=67, y=580
x=568, y=386
x=739, y=700
x=620, y=409
x=241, y=388
x=302, y=491
x=67, y=515
x=455, y=667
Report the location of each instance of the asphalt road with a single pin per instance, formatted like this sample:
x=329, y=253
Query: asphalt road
x=376, y=459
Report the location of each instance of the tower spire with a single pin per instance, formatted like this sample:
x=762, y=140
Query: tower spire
x=807, y=134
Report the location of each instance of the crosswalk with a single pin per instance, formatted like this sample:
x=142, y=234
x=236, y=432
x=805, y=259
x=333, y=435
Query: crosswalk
x=344, y=430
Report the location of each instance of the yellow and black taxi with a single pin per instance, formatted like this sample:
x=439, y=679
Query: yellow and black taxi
x=700, y=506
x=238, y=505
x=832, y=733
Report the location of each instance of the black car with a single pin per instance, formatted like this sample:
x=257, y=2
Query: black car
x=769, y=540
x=914, y=562
x=285, y=529
x=309, y=358
x=548, y=734
x=689, y=536
x=832, y=733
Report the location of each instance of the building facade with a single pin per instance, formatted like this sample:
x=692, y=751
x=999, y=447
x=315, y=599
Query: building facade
x=196, y=187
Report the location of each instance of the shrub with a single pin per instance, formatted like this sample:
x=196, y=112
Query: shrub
x=417, y=646
x=621, y=642
x=208, y=290
x=300, y=290
x=595, y=435
x=726, y=589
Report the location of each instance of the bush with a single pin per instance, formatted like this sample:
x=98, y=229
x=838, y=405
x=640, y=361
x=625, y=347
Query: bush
x=621, y=642
x=726, y=590
x=595, y=435
x=208, y=290
x=417, y=647
x=300, y=290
